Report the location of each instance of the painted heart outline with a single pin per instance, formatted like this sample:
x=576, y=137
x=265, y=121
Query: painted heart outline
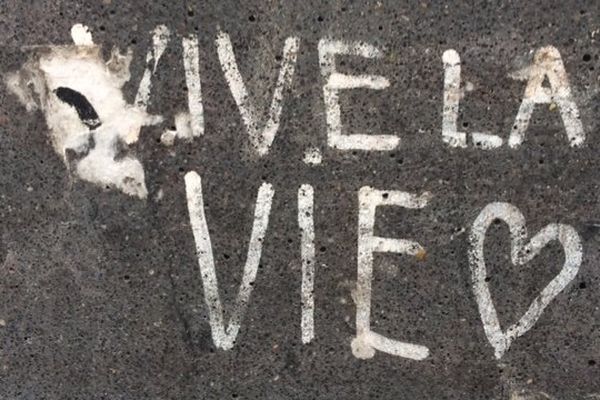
x=521, y=253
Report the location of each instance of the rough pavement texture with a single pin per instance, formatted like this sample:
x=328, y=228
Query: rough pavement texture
x=101, y=297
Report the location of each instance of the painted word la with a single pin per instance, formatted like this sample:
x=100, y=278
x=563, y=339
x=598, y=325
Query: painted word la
x=366, y=341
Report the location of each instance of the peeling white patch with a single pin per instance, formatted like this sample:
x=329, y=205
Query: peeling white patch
x=521, y=253
x=80, y=67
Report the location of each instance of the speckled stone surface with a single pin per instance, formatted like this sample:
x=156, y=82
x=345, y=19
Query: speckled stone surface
x=100, y=292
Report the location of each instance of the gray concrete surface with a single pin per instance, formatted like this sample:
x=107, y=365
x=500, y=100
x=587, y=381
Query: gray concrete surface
x=100, y=292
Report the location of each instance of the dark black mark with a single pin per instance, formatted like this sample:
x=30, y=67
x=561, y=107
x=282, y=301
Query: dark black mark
x=84, y=109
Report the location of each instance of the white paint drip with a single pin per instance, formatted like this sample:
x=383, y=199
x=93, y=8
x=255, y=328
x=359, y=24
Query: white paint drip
x=224, y=337
x=452, y=96
x=261, y=135
x=335, y=81
x=547, y=63
x=521, y=253
x=82, y=69
x=307, y=248
x=367, y=341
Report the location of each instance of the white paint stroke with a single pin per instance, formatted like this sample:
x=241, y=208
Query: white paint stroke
x=366, y=341
x=224, y=337
x=82, y=68
x=335, y=82
x=191, y=66
x=547, y=64
x=521, y=253
x=486, y=141
x=261, y=134
x=307, y=250
x=160, y=39
x=452, y=96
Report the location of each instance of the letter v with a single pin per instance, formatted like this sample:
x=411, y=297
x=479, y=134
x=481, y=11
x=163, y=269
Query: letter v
x=223, y=337
x=261, y=135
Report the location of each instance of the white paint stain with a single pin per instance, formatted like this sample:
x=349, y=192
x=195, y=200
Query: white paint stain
x=524, y=394
x=335, y=82
x=82, y=69
x=307, y=249
x=367, y=341
x=521, y=253
x=191, y=66
x=312, y=156
x=160, y=39
x=224, y=337
x=547, y=64
x=452, y=96
x=486, y=141
x=261, y=134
